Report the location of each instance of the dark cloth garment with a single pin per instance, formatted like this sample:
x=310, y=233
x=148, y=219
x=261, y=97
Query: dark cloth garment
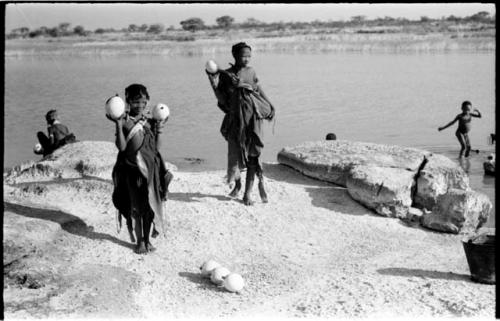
x=136, y=176
x=61, y=136
x=244, y=111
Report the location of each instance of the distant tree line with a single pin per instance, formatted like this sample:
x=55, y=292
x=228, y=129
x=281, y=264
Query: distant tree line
x=227, y=22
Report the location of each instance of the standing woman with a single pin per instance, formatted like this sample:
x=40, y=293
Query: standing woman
x=140, y=177
x=245, y=105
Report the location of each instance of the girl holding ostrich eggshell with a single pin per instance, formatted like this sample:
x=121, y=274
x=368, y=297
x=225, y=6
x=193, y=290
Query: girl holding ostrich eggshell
x=140, y=177
x=245, y=105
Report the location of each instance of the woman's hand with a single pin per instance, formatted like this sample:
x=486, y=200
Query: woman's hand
x=118, y=121
x=159, y=125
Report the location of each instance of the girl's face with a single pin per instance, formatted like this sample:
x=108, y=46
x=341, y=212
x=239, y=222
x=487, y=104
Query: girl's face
x=466, y=109
x=137, y=106
x=244, y=56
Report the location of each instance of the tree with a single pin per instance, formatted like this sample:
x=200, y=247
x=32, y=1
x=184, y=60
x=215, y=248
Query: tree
x=133, y=28
x=251, y=22
x=452, y=18
x=193, y=24
x=79, y=30
x=156, y=28
x=54, y=32
x=143, y=28
x=64, y=26
x=480, y=16
x=20, y=32
x=424, y=19
x=358, y=19
x=225, y=21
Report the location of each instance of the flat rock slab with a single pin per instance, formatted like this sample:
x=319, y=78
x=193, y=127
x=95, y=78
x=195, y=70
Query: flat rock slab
x=332, y=161
x=76, y=160
x=386, y=190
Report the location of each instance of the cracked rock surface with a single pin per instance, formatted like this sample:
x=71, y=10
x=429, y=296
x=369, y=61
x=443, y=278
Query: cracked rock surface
x=392, y=179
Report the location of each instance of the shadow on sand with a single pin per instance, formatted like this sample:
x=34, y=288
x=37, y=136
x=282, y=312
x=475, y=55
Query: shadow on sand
x=203, y=282
x=191, y=197
x=424, y=273
x=323, y=194
x=69, y=223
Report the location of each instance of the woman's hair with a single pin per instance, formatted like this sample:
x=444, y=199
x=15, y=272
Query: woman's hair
x=466, y=103
x=237, y=47
x=136, y=91
x=51, y=116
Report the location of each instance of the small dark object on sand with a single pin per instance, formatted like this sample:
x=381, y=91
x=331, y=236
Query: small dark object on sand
x=331, y=136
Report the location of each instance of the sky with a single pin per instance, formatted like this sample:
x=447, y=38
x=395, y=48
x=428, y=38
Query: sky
x=119, y=15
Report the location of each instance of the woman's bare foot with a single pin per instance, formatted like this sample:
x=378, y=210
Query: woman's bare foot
x=236, y=189
x=150, y=247
x=247, y=200
x=141, y=248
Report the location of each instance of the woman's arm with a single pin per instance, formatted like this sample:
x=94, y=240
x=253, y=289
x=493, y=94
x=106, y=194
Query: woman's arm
x=50, y=131
x=217, y=86
x=477, y=114
x=449, y=124
x=120, y=137
x=158, y=130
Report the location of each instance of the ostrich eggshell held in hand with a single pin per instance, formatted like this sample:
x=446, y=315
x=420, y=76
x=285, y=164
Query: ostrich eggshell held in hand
x=211, y=67
x=115, y=107
x=37, y=148
x=161, y=111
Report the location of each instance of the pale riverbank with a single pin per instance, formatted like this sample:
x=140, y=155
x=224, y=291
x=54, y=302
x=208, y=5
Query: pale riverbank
x=189, y=45
x=311, y=251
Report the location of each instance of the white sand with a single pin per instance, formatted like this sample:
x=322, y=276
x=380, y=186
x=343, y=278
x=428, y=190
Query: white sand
x=310, y=252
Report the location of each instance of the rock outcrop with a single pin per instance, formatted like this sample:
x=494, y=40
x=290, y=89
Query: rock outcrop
x=458, y=210
x=81, y=159
x=438, y=176
x=392, y=179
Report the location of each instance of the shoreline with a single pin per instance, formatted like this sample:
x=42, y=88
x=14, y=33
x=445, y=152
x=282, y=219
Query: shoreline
x=301, y=43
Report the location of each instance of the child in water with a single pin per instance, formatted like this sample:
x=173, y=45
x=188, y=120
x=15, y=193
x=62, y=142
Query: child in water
x=59, y=134
x=464, y=125
x=139, y=175
x=245, y=105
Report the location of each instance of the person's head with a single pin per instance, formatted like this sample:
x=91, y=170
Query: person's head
x=466, y=106
x=137, y=97
x=51, y=116
x=331, y=136
x=242, y=54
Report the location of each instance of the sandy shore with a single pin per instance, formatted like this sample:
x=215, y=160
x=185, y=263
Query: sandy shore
x=310, y=252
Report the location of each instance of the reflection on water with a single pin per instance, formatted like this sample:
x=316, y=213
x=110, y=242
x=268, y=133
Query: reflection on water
x=465, y=164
